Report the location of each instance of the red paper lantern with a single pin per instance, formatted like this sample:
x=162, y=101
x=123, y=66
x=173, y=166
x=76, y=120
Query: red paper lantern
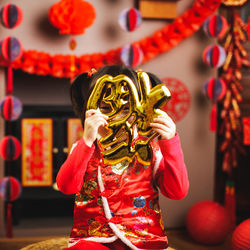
x=10, y=108
x=10, y=148
x=180, y=101
x=241, y=236
x=11, y=16
x=10, y=49
x=215, y=26
x=208, y=222
x=72, y=16
x=215, y=89
x=131, y=55
x=10, y=188
x=214, y=56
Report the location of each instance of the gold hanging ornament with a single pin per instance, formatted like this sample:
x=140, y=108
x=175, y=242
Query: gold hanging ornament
x=120, y=93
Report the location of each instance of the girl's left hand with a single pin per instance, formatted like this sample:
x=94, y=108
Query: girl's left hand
x=165, y=126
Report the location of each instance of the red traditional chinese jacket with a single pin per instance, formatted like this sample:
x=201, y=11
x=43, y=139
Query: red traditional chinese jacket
x=121, y=201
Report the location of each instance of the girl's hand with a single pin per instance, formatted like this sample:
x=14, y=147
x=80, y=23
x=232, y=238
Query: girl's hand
x=165, y=126
x=94, y=119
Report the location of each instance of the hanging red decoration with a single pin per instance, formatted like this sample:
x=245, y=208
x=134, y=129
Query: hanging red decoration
x=241, y=236
x=180, y=101
x=215, y=26
x=131, y=55
x=208, y=222
x=161, y=41
x=10, y=108
x=10, y=188
x=11, y=16
x=214, y=89
x=10, y=50
x=130, y=19
x=10, y=148
x=72, y=16
x=214, y=56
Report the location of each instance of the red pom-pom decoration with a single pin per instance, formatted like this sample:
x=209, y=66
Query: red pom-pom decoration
x=131, y=55
x=215, y=89
x=10, y=148
x=208, y=222
x=10, y=108
x=215, y=26
x=241, y=236
x=130, y=19
x=72, y=16
x=10, y=49
x=214, y=56
x=11, y=16
x=180, y=101
x=10, y=188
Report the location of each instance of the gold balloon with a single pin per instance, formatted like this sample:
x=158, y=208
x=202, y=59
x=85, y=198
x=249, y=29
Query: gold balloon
x=119, y=92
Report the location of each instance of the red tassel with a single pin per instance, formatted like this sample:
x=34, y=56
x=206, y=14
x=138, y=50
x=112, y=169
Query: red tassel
x=9, y=233
x=213, y=118
x=9, y=87
x=248, y=28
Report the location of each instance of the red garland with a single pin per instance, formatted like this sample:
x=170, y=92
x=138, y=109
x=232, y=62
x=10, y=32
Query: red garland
x=41, y=63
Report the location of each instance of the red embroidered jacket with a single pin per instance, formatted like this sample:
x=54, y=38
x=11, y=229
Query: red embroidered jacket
x=121, y=201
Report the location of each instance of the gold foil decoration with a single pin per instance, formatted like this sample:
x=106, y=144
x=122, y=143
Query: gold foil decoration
x=120, y=92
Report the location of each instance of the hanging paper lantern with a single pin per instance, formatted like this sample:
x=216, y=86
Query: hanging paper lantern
x=208, y=222
x=214, y=56
x=241, y=236
x=11, y=16
x=72, y=16
x=10, y=108
x=215, y=89
x=130, y=19
x=180, y=101
x=10, y=148
x=131, y=55
x=10, y=49
x=10, y=188
x=215, y=26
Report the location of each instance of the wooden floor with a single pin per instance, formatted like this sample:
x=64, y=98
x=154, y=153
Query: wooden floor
x=178, y=239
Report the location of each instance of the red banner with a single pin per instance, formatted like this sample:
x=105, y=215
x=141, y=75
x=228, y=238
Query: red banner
x=36, y=152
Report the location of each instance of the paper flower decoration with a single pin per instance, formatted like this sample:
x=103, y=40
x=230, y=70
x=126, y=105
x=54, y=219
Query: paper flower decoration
x=10, y=188
x=10, y=49
x=131, y=55
x=215, y=26
x=10, y=148
x=214, y=56
x=130, y=19
x=10, y=108
x=11, y=16
x=72, y=16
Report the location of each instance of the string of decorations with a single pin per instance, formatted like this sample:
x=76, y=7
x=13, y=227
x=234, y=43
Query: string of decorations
x=10, y=110
x=42, y=63
x=231, y=125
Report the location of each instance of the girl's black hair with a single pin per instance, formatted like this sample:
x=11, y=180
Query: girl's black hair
x=83, y=85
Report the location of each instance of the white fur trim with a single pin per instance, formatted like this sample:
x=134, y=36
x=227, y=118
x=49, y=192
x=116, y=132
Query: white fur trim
x=159, y=157
x=73, y=146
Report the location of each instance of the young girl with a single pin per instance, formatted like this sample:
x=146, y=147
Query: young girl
x=117, y=205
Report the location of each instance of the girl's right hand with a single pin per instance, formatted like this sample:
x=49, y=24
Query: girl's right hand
x=94, y=119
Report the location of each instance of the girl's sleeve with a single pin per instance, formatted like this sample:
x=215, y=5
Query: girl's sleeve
x=171, y=173
x=70, y=176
